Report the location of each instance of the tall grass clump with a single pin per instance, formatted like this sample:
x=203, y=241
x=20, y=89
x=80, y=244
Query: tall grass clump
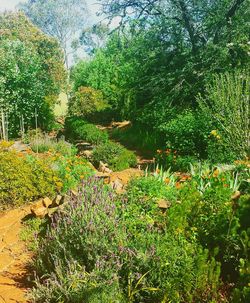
x=226, y=103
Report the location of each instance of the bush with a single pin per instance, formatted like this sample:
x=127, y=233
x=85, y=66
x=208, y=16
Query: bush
x=171, y=159
x=187, y=133
x=70, y=169
x=22, y=181
x=85, y=102
x=226, y=103
x=120, y=251
x=115, y=155
x=77, y=129
x=45, y=144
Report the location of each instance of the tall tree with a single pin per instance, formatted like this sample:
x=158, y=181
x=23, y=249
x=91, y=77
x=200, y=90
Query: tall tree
x=32, y=72
x=62, y=19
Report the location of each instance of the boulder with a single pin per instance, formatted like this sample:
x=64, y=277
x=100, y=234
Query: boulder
x=87, y=153
x=38, y=209
x=126, y=175
x=47, y=202
x=57, y=201
x=103, y=167
x=163, y=204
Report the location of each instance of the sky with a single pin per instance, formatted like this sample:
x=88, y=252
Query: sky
x=92, y=5
x=11, y=4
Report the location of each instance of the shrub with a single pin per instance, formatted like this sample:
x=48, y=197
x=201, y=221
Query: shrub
x=227, y=104
x=119, y=251
x=86, y=101
x=218, y=151
x=171, y=159
x=115, y=155
x=71, y=170
x=187, y=133
x=22, y=181
x=45, y=144
x=77, y=129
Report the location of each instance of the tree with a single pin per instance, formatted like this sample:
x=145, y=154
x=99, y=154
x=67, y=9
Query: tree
x=94, y=37
x=62, y=19
x=32, y=73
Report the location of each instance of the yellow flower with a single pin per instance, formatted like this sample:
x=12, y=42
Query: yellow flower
x=216, y=173
x=214, y=132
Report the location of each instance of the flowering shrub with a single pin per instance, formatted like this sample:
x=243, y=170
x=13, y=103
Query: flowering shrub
x=170, y=158
x=22, y=181
x=45, y=144
x=103, y=248
x=70, y=170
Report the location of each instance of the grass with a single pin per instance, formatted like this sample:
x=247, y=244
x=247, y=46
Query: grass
x=62, y=106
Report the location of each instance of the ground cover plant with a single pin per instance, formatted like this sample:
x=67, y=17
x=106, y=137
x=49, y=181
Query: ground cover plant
x=127, y=249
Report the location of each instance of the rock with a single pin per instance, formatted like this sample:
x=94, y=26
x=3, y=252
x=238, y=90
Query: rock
x=123, y=124
x=118, y=186
x=103, y=167
x=163, y=204
x=104, y=176
x=47, y=202
x=126, y=175
x=19, y=146
x=74, y=192
x=38, y=209
x=57, y=201
x=87, y=153
x=84, y=146
x=236, y=195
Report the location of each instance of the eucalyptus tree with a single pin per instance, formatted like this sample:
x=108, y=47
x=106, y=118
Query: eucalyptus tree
x=62, y=19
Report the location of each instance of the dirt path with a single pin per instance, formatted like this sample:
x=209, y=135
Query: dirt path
x=13, y=257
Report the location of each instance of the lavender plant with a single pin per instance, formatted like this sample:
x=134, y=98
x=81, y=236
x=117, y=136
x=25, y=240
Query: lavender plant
x=105, y=248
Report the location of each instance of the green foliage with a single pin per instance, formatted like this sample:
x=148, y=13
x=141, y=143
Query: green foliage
x=227, y=104
x=22, y=181
x=78, y=129
x=185, y=44
x=70, y=170
x=102, y=243
x=187, y=133
x=170, y=159
x=31, y=73
x=45, y=144
x=85, y=102
x=115, y=155
x=139, y=138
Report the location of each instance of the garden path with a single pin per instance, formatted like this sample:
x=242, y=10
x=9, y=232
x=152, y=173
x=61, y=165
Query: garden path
x=14, y=257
